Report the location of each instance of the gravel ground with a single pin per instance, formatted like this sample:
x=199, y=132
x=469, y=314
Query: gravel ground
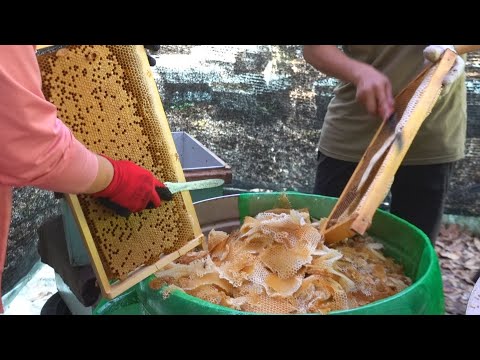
x=35, y=292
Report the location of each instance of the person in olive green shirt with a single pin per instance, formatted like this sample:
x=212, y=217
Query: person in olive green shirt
x=370, y=76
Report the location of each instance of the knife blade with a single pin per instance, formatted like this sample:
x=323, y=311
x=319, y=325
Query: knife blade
x=395, y=137
x=392, y=123
x=193, y=185
x=173, y=187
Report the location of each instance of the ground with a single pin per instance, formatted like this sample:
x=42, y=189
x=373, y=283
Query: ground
x=459, y=254
x=35, y=292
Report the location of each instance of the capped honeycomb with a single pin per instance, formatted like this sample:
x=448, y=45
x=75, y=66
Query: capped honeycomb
x=103, y=95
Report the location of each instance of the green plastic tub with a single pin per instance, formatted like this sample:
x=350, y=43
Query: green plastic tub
x=404, y=242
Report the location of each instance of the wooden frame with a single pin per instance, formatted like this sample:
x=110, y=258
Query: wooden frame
x=361, y=218
x=111, y=290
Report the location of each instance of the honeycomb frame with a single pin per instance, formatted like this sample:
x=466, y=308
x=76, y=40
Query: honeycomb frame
x=108, y=98
x=353, y=212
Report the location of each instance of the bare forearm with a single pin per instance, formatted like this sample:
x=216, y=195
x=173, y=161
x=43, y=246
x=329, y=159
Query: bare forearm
x=104, y=176
x=373, y=88
x=331, y=61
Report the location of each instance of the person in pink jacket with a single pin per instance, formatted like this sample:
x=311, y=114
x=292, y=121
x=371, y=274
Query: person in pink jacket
x=37, y=149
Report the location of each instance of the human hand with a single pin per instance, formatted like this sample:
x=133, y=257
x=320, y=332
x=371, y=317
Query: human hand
x=374, y=91
x=433, y=53
x=132, y=189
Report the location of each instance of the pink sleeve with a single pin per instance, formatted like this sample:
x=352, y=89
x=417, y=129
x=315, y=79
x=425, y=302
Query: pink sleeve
x=37, y=149
x=5, y=216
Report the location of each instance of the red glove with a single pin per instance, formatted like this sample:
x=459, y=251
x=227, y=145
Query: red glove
x=132, y=189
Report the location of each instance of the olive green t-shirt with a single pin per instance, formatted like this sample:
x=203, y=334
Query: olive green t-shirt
x=348, y=128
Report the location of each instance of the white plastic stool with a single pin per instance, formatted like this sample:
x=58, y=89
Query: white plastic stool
x=473, y=306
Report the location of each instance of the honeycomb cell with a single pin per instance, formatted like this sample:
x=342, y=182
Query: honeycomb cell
x=103, y=96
